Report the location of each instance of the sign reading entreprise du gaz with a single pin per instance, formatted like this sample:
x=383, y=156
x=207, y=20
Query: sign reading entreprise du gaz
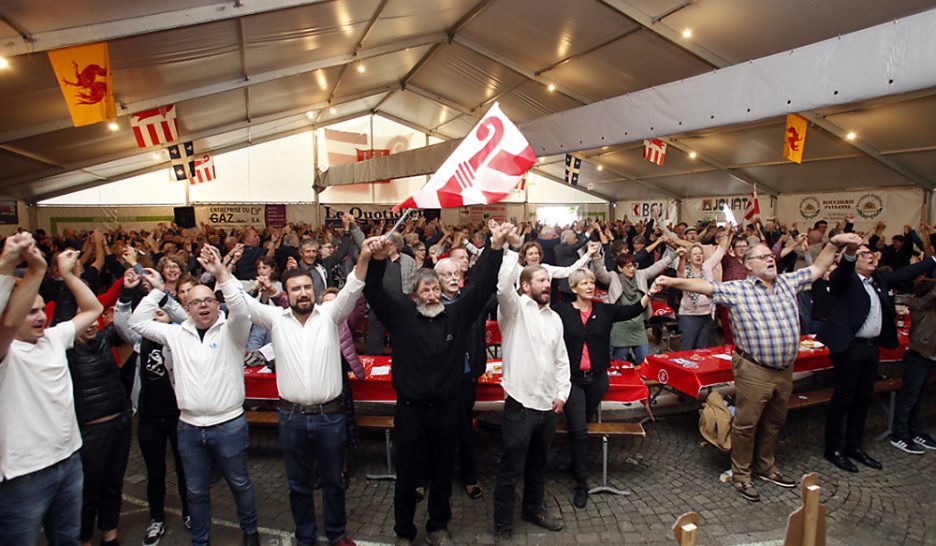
x=231, y=216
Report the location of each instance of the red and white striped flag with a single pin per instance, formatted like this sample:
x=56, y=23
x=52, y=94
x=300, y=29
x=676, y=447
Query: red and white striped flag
x=654, y=150
x=155, y=126
x=204, y=170
x=483, y=169
x=342, y=147
x=752, y=208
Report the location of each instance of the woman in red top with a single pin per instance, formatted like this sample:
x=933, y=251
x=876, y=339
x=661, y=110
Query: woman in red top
x=586, y=326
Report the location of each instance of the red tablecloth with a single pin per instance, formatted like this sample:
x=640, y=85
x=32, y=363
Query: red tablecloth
x=690, y=371
x=625, y=384
x=660, y=309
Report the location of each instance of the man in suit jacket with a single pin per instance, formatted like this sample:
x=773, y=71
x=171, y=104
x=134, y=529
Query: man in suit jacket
x=862, y=319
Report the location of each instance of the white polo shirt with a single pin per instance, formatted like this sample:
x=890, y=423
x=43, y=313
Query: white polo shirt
x=308, y=356
x=38, y=427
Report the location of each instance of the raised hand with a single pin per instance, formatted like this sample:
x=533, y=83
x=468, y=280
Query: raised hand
x=593, y=248
x=67, y=261
x=210, y=260
x=14, y=250
x=851, y=240
x=377, y=247
x=291, y=263
x=131, y=279
x=153, y=278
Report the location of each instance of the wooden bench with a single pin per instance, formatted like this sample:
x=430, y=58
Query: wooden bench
x=605, y=429
x=384, y=423
x=261, y=418
x=819, y=397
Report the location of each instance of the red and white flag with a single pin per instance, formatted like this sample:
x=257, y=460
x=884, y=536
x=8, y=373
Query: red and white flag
x=752, y=208
x=654, y=150
x=155, y=126
x=483, y=169
x=204, y=170
x=342, y=146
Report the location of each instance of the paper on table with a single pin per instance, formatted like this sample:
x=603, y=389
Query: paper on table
x=265, y=369
x=722, y=356
x=380, y=370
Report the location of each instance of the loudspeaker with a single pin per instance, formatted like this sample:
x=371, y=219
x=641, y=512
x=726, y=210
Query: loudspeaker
x=184, y=216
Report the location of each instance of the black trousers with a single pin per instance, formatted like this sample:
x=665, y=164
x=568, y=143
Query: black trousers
x=855, y=372
x=426, y=434
x=152, y=434
x=916, y=374
x=466, y=458
x=580, y=408
x=374, y=339
x=527, y=433
x=104, y=452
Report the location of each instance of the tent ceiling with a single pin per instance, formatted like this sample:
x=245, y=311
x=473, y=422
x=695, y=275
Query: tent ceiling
x=245, y=78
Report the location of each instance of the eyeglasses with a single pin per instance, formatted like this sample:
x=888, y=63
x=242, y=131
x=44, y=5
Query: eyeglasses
x=865, y=254
x=762, y=257
x=448, y=274
x=203, y=301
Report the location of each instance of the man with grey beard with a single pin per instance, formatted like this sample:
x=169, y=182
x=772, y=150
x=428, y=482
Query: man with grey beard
x=429, y=342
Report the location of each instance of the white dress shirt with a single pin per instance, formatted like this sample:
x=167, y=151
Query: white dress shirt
x=535, y=360
x=6, y=288
x=871, y=328
x=38, y=427
x=209, y=372
x=308, y=356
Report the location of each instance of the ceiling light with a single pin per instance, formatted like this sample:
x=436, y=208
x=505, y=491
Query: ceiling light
x=360, y=68
x=851, y=135
x=332, y=110
x=687, y=33
x=551, y=87
x=310, y=114
x=4, y=64
x=157, y=156
x=113, y=126
x=600, y=168
x=693, y=155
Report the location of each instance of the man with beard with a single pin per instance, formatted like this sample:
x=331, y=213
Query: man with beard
x=308, y=376
x=429, y=343
x=765, y=322
x=536, y=384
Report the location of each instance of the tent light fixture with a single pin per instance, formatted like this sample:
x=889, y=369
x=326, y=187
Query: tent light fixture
x=310, y=114
x=4, y=63
x=332, y=110
x=851, y=136
x=600, y=167
x=687, y=33
x=113, y=126
x=360, y=68
x=551, y=87
x=693, y=155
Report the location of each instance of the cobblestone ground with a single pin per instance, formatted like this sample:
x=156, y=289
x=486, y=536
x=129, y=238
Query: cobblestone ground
x=668, y=473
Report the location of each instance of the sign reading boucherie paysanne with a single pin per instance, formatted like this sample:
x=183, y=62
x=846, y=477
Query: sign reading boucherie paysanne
x=229, y=216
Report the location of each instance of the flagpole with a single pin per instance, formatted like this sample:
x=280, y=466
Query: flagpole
x=397, y=224
x=186, y=184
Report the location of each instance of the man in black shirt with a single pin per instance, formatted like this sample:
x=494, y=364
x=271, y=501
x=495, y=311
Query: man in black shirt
x=429, y=342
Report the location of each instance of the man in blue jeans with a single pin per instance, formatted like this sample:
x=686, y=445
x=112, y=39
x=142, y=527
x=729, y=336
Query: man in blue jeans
x=40, y=469
x=309, y=379
x=208, y=365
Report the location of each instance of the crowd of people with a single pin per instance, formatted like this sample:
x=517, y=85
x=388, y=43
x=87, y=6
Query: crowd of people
x=103, y=326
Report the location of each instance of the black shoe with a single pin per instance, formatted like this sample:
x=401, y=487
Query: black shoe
x=840, y=460
x=864, y=458
x=543, y=520
x=252, y=539
x=503, y=534
x=580, y=500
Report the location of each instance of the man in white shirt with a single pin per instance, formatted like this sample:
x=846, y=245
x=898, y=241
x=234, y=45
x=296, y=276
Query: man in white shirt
x=208, y=364
x=308, y=377
x=39, y=440
x=536, y=383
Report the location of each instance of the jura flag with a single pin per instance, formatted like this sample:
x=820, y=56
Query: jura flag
x=204, y=170
x=483, y=169
x=654, y=150
x=84, y=75
x=183, y=160
x=572, y=170
x=752, y=208
x=155, y=126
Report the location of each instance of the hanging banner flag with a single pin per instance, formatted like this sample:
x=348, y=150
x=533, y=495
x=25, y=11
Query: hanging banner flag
x=483, y=169
x=794, y=139
x=155, y=126
x=341, y=146
x=183, y=160
x=654, y=150
x=83, y=74
x=572, y=169
x=204, y=170
x=364, y=155
x=752, y=209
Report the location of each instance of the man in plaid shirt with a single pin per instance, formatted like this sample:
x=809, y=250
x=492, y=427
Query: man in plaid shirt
x=765, y=323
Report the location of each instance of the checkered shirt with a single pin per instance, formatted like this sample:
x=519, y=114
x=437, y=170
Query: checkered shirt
x=765, y=320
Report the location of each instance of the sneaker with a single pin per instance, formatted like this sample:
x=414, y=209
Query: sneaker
x=503, y=536
x=543, y=520
x=344, y=541
x=907, y=446
x=747, y=491
x=925, y=440
x=438, y=538
x=154, y=533
x=777, y=478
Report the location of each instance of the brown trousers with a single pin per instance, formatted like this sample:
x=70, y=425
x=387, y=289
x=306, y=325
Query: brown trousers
x=762, y=395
